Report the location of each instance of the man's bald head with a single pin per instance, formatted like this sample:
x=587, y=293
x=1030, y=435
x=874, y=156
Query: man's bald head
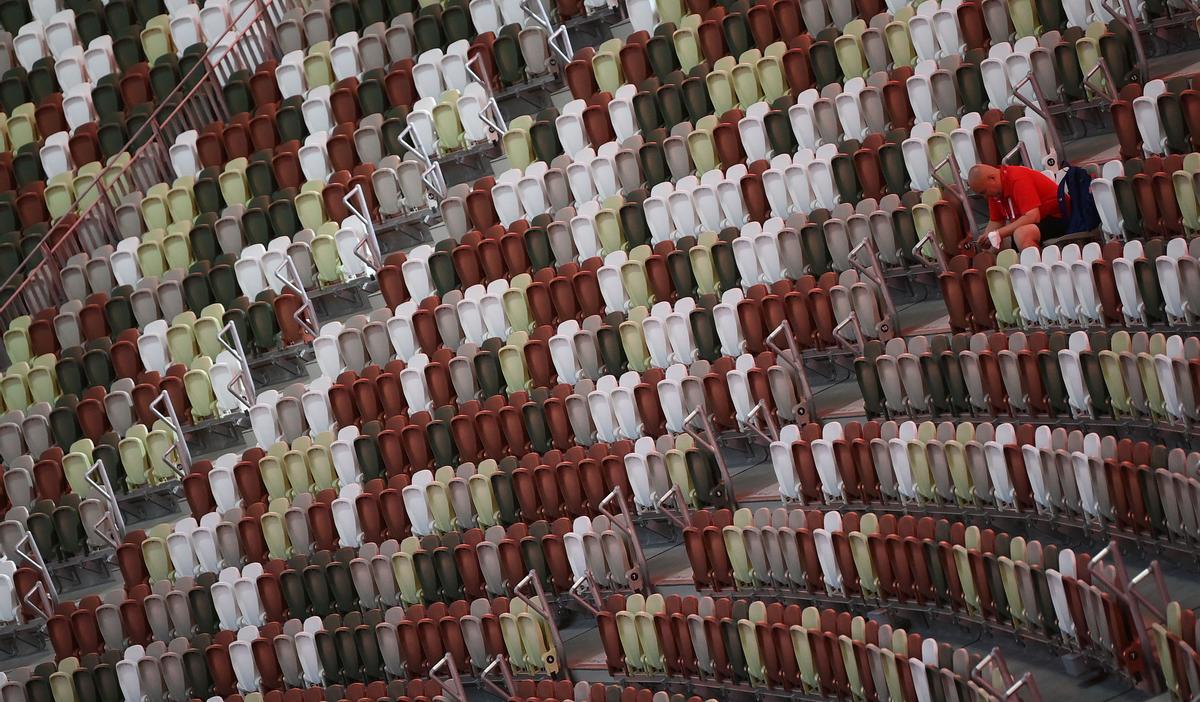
x=985, y=180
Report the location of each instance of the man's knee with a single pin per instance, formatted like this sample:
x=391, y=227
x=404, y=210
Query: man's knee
x=1027, y=236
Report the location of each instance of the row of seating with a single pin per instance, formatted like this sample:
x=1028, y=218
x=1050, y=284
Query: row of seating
x=759, y=645
x=760, y=131
x=949, y=49
x=90, y=339
x=1156, y=118
x=403, y=30
x=309, y=465
x=476, y=433
x=355, y=647
x=434, y=568
x=656, y=337
x=1146, y=199
x=131, y=457
x=1142, y=285
x=95, y=677
x=1093, y=376
x=1034, y=589
x=1094, y=482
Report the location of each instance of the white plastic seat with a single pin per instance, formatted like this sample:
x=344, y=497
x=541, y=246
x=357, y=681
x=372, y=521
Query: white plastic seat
x=184, y=157
x=289, y=74
x=314, y=161
x=55, y=155
x=185, y=28
x=77, y=105
x=99, y=58
x=61, y=34
x=70, y=68
x=318, y=115
x=344, y=56
x=214, y=19
x=30, y=44
x=426, y=74
x=485, y=15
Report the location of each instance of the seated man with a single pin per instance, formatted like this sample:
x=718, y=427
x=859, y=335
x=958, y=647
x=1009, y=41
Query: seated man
x=1022, y=203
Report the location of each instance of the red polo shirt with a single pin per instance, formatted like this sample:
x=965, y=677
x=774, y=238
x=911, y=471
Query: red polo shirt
x=1024, y=190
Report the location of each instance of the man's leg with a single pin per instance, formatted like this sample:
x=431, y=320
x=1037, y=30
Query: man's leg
x=1027, y=236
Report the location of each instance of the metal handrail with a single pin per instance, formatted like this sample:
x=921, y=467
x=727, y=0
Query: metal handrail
x=189, y=107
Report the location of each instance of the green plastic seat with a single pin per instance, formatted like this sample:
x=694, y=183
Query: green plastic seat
x=344, y=17
x=237, y=93
x=487, y=372
x=259, y=175
x=427, y=30
x=164, y=76
x=506, y=499
x=14, y=14
x=119, y=313
x=341, y=586
x=256, y=226
x=43, y=81
x=372, y=96
x=289, y=121
x=90, y=25
x=506, y=52
x=14, y=89
x=263, y=326
x=68, y=528
x=372, y=11
x=42, y=529
x=370, y=460
x=283, y=219
x=543, y=136
x=456, y=23
x=127, y=49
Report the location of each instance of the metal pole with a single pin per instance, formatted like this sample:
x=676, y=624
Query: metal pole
x=573, y=592
x=1019, y=150
x=356, y=201
x=1012, y=687
x=249, y=394
x=559, y=41
x=682, y=520
x=875, y=274
x=432, y=175
x=104, y=487
x=485, y=678
x=1042, y=109
x=962, y=194
x=454, y=688
x=760, y=413
x=939, y=255
x=306, y=316
x=46, y=607
x=624, y=524
x=542, y=608
x=490, y=114
x=185, y=456
x=793, y=358
x=852, y=321
x=1125, y=590
x=34, y=558
x=1126, y=17
x=709, y=442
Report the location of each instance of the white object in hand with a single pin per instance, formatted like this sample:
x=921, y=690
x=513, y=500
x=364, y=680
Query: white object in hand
x=994, y=239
